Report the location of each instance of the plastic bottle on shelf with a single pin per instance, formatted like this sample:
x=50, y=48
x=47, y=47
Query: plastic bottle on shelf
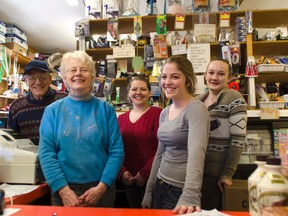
x=253, y=180
x=273, y=187
x=131, y=11
x=200, y=5
x=228, y=5
x=189, y=38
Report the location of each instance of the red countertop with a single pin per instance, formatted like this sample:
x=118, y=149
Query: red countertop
x=30, y=210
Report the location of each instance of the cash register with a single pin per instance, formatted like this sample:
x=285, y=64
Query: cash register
x=18, y=159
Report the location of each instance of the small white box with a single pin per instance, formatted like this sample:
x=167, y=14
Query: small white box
x=12, y=29
x=2, y=37
x=16, y=39
x=2, y=27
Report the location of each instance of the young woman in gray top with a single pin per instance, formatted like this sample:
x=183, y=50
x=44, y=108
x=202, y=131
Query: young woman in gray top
x=176, y=177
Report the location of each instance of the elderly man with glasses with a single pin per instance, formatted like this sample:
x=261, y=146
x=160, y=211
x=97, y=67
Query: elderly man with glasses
x=25, y=113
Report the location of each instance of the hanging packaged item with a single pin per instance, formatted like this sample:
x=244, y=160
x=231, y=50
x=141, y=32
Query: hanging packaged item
x=273, y=188
x=176, y=38
x=228, y=5
x=200, y=5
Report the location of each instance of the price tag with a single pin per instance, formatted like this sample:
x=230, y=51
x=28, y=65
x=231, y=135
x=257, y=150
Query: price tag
x=224, y=19
x=179, y=21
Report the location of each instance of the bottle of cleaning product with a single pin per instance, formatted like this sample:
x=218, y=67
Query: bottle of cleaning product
x=253, y=180
x=151, y=7
x=273, y=187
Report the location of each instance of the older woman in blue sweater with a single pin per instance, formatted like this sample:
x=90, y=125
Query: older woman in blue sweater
x=81, y=149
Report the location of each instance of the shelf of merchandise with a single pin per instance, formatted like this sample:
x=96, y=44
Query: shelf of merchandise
x=22, y=60
x=261, y=19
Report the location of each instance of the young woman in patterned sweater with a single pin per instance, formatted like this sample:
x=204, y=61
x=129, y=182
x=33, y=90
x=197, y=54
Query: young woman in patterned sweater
x=228, y=112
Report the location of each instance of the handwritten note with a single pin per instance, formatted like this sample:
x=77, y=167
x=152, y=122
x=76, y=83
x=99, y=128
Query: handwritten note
x=124, y=52
x=199, y=55
x=204, y=29
x=178, y=49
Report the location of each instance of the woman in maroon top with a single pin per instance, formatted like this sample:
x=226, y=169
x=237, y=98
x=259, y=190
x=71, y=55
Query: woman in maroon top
x=139, y=132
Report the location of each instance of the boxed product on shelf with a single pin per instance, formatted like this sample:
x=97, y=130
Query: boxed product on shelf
x=16, y=48
x=10, y=38
x=2, y=27
x=269, y=68
x=2, y=37
x=286, y=68
x=2, y=32
x=12, y=29
x=272, y=104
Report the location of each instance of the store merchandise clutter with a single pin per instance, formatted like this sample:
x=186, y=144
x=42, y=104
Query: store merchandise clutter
x=268, y=187
x=98, y=9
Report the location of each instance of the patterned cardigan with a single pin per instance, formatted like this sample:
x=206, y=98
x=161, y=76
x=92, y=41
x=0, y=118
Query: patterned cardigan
x=227, y=133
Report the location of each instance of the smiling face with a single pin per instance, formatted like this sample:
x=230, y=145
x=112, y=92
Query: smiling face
x=78, y=78
x=173, y=82
x=139, y=93
x=217, y=75
x=38, y=82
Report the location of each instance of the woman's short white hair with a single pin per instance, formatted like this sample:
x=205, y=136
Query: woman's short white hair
x=83, y=57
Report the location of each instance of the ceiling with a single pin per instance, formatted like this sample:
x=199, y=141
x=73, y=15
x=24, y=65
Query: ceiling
x=49, y=24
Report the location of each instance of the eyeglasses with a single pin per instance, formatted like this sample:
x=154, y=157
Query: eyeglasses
x=74, y=70
x=33, y=79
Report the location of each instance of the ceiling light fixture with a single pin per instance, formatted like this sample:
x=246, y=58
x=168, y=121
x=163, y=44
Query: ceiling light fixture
x=72, y=3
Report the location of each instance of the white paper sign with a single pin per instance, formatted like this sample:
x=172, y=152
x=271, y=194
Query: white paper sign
x=178, y=49
x=200, y=85
x=124, y=52
x=199, y=55
x=204, y=29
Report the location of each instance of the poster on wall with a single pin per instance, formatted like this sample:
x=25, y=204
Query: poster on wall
x=199, y=55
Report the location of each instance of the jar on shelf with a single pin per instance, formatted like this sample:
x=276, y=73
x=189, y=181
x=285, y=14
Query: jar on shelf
x=273, y=188
x=253, y=181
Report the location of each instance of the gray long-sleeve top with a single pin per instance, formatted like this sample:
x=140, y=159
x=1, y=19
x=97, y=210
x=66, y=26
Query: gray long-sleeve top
x=179, y=160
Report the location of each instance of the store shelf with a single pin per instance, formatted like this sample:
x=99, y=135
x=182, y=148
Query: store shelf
x=99, y=26
x=256, y=113
x=8, y=97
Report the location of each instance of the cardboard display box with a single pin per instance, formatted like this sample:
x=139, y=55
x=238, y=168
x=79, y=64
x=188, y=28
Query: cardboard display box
x=236, y=197
x=14, y=38
x=16, y=48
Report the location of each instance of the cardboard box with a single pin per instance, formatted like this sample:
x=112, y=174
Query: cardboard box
x=12, y=29
x=236, y=197
x=10, y=38
x=16, y=48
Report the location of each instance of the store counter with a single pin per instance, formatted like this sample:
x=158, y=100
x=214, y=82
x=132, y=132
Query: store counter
x=30, y=198
x=29, y=210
